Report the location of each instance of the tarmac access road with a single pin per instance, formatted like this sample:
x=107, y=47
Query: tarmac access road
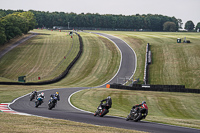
x=3, y=52
x=64, y=110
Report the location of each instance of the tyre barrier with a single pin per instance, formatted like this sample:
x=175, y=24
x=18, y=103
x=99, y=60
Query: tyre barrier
x=161, y=88
x=56, y=79
x=147, y=62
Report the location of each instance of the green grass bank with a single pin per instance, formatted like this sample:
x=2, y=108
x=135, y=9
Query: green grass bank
x=172, y=63
x=180, y=109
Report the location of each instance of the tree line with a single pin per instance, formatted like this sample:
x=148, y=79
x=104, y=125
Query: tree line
x=15, y=24
x=149, y=21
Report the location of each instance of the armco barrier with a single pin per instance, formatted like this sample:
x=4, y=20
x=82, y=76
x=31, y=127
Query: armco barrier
x=162, y=88
x=56, y=79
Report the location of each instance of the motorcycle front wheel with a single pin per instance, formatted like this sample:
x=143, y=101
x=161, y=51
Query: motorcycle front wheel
x=31, y=97
x=127, y=118
x=50, y=106
x=104, y=112
x=137, y=117
x=37, y=104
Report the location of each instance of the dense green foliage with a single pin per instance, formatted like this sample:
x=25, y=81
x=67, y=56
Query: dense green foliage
x=198, y=26
x=149, y=21
x=15, y=24
x=169, y=26
x=153, y=22
x=189, y=25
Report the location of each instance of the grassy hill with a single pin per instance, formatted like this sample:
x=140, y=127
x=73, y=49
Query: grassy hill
x=98, y=64
x=172, y=63
x=42, y=56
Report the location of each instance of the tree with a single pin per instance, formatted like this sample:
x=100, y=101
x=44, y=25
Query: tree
x=180, y=23
x=15, y=24
x=189, y=25
x=30, y=19
x=198, y=26
x=169, y=26
x=2, y=33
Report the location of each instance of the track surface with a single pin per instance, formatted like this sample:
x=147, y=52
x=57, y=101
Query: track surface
x=65, y=111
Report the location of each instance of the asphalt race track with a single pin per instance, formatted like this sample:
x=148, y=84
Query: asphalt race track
x=64, y=110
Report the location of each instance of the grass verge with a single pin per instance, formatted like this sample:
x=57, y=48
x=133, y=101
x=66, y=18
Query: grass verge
x=30, y=124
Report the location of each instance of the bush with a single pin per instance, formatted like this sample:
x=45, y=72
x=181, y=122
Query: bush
x=169, y=26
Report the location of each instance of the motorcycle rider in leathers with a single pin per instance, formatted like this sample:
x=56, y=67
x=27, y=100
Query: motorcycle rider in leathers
x=41, y=95
x=55, y=95
x=108, y=102
x=135, y=107
x=34, y=93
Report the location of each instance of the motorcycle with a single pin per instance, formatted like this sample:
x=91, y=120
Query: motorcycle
x=38, y=102
x=102, y=110
x=138, y=113
x=52, y=102
x=32, y=96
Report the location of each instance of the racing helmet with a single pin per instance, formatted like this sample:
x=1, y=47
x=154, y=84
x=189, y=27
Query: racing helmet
x=57, y=93
x=108, y=97
x=143, y=102
x=42, y=93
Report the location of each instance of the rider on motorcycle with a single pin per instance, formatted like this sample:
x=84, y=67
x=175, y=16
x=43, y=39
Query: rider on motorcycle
x=33, y=95
x=34, y=92
x=108, y=102
x=55, y=95
x=142, y=105
x=41, y=95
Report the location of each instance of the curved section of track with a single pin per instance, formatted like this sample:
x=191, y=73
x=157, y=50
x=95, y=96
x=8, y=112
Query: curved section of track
x=128, y=60
x=65, y=111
